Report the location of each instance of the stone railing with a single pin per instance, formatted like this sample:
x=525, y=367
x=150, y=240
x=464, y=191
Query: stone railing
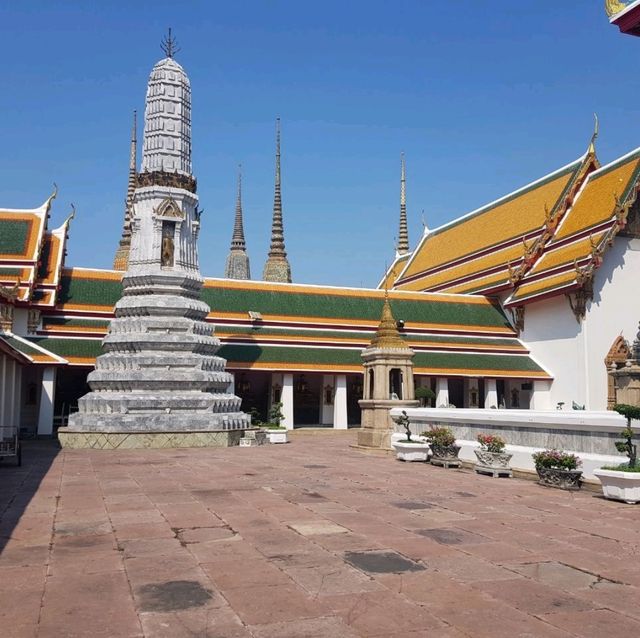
x=589, y=434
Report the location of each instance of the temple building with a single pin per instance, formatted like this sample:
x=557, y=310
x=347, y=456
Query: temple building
x=560, y=256
x=523, y=303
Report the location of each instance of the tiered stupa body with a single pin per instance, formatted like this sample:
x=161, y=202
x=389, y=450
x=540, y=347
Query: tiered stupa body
x=159, y=372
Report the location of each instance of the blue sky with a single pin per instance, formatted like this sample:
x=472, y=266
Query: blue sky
x=483, y=96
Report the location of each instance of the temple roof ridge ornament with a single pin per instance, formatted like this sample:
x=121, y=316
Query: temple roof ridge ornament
x=47, y=204
x=591, y=150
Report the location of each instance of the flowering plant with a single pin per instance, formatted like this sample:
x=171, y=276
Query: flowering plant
x=440, y=436
x=491, y=442
x=556, y=459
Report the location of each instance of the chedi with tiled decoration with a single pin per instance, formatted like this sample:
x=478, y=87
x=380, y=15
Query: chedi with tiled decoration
x=159, y=383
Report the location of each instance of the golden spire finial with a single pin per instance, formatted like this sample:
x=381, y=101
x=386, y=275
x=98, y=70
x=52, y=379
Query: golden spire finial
x=596, y=131
x=612, y=7
x=387, y=335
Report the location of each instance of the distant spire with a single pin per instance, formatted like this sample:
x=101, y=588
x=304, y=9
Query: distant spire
x=277, y=267
x=237, y=266
x=403, y=236
x=121, y=259
x=237, y=240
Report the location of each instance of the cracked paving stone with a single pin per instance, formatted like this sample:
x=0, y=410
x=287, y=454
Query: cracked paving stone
x=377, y=562
x=451, y=536
x=411, y=505
x=559, y=575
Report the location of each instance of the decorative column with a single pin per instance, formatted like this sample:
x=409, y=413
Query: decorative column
x=541, y=395
x=3, y=382
x=45, y=413
x=442, y=392
x=388, y=376
x=490, y=393
x=340, y=403
x=287, y=400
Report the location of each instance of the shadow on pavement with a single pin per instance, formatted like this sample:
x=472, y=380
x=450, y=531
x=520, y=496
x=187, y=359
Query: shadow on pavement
x=18, y=485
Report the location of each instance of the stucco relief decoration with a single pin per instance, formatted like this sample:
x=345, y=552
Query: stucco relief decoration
x=169, y=209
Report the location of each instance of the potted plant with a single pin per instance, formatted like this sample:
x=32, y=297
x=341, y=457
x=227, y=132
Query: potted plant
x=444, y=451
x=622, y=482
x=492, y=459
x=425, y=395
x=409, y=449
x=558, y=469
x=276, y=433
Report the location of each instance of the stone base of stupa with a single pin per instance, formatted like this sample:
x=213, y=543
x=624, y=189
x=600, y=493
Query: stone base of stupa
x=128, y=440
x=377, y=424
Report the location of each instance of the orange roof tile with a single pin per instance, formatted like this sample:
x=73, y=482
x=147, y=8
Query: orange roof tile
x=520, y=214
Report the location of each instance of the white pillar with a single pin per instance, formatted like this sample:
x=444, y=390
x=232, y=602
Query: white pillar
x=287, y=400
x=442, y=392
x=327, y=409
x=17, y=406
x=3, y=381
x=490, y=393
x=541, y=395
x=45, y=414
x=340, y=403
x=11, y=392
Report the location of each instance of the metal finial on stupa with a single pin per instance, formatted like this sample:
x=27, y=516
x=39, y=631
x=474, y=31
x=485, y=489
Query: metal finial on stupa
x=169, y=45
x=403, y=235
x=277, y=267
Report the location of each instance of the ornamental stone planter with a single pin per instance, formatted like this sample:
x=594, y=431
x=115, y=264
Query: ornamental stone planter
x=277, y=436
x=445, y=455
x=493, y=463
x=411, y=451
x=562, y=479
x=619, y=485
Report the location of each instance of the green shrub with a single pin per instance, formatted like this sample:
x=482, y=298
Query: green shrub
x=556, y=459
x=440, y=436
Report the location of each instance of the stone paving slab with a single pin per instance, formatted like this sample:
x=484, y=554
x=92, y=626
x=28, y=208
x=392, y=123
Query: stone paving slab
x=309, y=540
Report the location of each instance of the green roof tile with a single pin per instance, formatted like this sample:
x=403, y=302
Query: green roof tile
x=13, y=236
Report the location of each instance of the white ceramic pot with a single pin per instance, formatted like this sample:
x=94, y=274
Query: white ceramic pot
x=619, y=485
x=411, y=451
x=277, y=436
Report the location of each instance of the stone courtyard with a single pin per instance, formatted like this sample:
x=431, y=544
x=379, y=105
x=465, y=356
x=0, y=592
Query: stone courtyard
x=310, y=539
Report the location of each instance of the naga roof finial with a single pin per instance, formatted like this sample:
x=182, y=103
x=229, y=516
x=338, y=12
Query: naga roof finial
x=594, y=137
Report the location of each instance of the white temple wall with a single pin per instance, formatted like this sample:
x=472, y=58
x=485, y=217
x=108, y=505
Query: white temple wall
x=574, y=352
x=615, y=310
x=554, y=336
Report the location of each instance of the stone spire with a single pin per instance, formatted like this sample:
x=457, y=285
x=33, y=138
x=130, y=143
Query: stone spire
x=159, y=382
x=121, y=259
x=277, y=267
x=238, y=261
x=167, y=119
x=403, y=235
